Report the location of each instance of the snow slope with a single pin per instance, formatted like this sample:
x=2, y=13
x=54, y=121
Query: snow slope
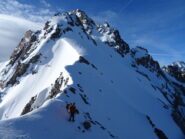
x=121, y=92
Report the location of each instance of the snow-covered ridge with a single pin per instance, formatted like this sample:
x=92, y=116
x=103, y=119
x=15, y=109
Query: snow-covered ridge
x=120, y=92
x=38, y=49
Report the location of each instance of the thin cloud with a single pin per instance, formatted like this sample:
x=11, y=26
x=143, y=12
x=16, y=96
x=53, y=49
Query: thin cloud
x=15, y=19
x=30, y=12
x=125, y=6
x=164, y=52
x=108, y=16
x=45, y=3
x=12, y=29
x=166, y=55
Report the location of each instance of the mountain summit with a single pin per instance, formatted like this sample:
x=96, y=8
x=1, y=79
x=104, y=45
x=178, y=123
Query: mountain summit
x=119, y=92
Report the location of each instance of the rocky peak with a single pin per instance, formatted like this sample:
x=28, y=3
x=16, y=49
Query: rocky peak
x=76, y=18
x=106, y=24
x=108, y=35
x=143, y=58
x=23, y=46
x=112, y=37
x=180, y=65
x=176, y=70
x=82, y=16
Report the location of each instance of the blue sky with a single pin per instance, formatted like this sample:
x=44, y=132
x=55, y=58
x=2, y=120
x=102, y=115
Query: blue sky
x=158, y=25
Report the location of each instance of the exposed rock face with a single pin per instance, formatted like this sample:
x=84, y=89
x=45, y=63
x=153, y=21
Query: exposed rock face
x=113, y=39
x=57, y=33
x=176, y=70
x=160, y=134
x=22, y=49
x=21, y=68
x=28, y=107
x=84, y=20
x=142, y=57
x=83, y=60
x=121, y=46
x=60, y=81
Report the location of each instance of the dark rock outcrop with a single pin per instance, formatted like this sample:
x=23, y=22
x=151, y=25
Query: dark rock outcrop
x=142, y=57
x=28, y=107
x=116, y=41
x=57, y=33
x=159, y=133
x=176, y=71
x=20, y=70
x=22, y=49
x=57, y=86
x=87, y=125
x=83, y=60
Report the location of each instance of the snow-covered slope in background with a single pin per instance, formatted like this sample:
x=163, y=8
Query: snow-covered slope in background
x=119, y=92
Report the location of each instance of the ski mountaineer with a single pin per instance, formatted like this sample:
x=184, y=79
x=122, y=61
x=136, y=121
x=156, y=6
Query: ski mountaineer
x=72, y=111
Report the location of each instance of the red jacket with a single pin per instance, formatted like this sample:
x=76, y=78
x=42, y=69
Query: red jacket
x=73, y=109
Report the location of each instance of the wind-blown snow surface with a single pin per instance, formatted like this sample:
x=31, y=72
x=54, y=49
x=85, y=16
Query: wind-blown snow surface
x=107, y=90
x=46, y=75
